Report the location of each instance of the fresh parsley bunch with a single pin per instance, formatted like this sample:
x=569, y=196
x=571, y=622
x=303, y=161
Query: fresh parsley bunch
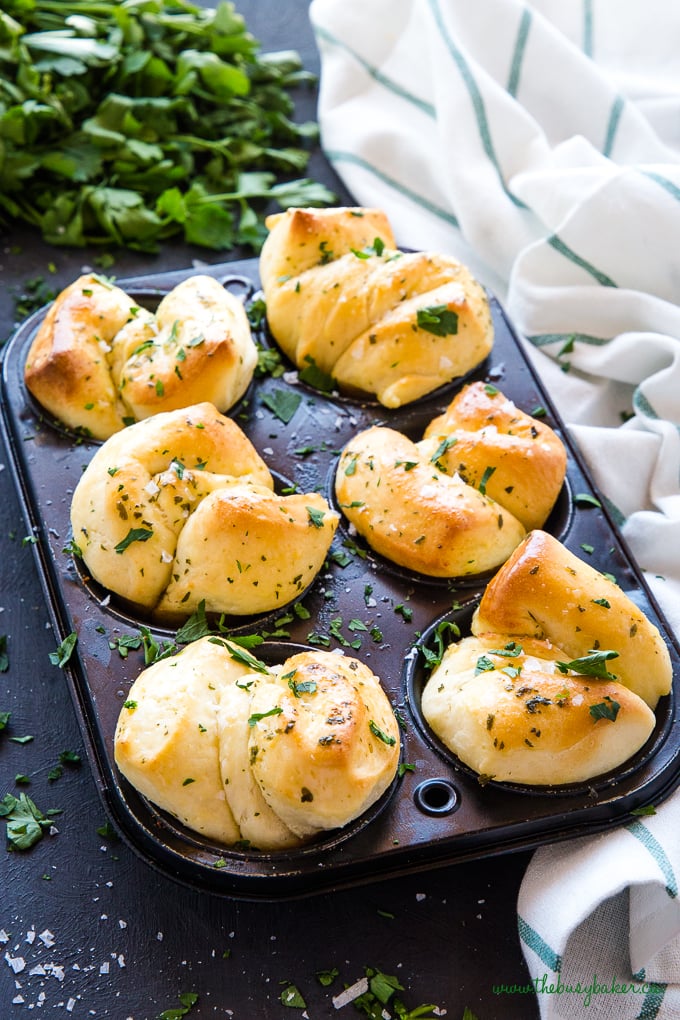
x=128, y=122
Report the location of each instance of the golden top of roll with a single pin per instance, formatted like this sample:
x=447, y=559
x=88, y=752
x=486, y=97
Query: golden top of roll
x=250, y=754
x=180, y=509
x=545, y=591
x=411, y=512
x=483, y=437
x=98, y=360
x=515, y=712
x=325, y=745
x=340, y=296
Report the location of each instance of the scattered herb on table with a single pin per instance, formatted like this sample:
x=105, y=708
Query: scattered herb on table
x=292, y=997
x=25, y=822
x=188, y=1000
x=129, y=124
x=4, y=657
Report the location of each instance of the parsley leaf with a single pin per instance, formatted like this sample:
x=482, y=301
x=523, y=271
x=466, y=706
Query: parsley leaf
x=590, y=665
x=65, y=650
x=25, y=822
x=133, y=535
x=605, y=709
x=188, y=1000
x=437, y=319
x=282, y=403
x=135, y=124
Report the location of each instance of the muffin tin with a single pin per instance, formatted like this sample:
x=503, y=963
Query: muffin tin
x=437, y=811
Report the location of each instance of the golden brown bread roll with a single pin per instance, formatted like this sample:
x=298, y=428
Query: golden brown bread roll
x=99, y=361
x=180, y=509
x=509, y=712
x=326, y=743
x=250, y=754
x=545, y=591
x=342, y=297
x=484, y=437
x=415, y=515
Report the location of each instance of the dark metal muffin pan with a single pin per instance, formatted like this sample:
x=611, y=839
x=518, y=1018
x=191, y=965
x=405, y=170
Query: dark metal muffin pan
x=436, y=812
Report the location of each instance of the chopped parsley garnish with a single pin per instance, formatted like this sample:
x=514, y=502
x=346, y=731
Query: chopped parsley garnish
x=188, y=1000
x=606, y=709
x=257, y=716
x=437, y=319
x=315, y=376
x=239, y=654
x=315, y=516
x=291, y=996
x=443, y=634
x=133, y=535
x=25, y=822
x=380, y=734
x=485, y=479
x=65, y=650
x=590, y=665
x=302, y=687
x=585, y=499
x=282, y=403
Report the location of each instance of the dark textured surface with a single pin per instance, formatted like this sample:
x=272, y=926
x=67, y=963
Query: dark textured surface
x=99, y=932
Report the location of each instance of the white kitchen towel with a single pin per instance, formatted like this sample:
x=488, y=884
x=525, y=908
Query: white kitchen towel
x=540, y=143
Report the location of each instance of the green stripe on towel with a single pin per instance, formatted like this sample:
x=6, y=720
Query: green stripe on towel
x=338, y=156
x=613, y=125
x=476, y=98
x=545, y=339
x=518, y=55
x=539, y=946
x=651, y=844
x=667, y=185
x=641, y=404
x=559, y=245
x=652, y=1003
x=588, y=27
x=388, y=83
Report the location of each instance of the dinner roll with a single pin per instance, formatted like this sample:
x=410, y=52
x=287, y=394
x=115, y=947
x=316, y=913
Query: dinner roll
x=509, y=712
x=545, y=591
x=167, y=741
x=411, y=512
x=325, y=742
x=256, y=755
x=179, y=509
x=341, y=297
x=99, y=361
x=483, y=437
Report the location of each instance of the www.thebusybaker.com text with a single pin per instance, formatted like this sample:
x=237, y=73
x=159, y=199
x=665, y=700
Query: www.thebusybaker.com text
x=547, y=985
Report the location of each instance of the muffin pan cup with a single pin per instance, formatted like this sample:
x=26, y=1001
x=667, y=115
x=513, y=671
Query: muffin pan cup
x=437, y=811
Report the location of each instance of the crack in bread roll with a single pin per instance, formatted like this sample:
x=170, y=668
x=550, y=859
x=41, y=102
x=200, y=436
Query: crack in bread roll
x=242, y=752
x=414, y=514
x=509, y=712
x=340, y=296
x=99, y=360
x=179, y=509
x=483, y=437
x=545, y=591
